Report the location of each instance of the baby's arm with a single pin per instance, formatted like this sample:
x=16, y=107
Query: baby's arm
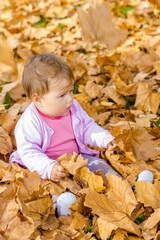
x=94, y=135
x=29, y=146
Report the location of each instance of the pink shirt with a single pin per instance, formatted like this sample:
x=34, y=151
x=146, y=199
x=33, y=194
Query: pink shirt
x=63, y=141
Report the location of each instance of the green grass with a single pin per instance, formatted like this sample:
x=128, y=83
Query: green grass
x=124, y=10
x=140, y=219
x=130, y=101
x=75, y=90
x=61, y=25
x=7, y=101
x=42, y=23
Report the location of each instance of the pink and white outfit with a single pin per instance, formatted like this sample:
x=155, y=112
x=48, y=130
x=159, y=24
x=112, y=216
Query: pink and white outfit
x=41, y=139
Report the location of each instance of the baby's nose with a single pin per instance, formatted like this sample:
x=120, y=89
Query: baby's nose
x=70, y=98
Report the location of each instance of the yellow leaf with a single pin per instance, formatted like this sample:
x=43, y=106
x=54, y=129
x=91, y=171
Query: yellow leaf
x=79, y=221
x=139, y=142
x=148, y=194
x=94, y=181
x=109, y=210
x=105, y=228
x=93, y=29
x=120, y=235
x=147, y=100
x=72, y=163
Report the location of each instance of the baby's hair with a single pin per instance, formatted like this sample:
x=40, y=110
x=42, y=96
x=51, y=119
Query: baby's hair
x=43, y=69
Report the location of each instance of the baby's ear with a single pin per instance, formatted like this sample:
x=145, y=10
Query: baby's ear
x=36, y=98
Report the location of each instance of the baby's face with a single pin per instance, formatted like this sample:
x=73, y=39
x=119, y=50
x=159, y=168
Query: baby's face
x=58, y=101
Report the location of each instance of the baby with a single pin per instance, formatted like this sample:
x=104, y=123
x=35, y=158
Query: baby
x=54, y=123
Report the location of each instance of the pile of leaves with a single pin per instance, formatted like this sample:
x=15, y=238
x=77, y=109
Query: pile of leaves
x=117, y=83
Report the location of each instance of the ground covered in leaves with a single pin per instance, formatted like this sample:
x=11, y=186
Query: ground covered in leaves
x=117, y=70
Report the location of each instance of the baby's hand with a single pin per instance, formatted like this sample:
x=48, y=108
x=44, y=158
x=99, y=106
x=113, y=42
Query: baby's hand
x=57, y=173
x=111, y=146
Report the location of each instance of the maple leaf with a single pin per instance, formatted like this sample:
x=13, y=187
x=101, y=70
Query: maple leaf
x=110, y=207
x=93, y=29
x=139, y=142
x=147, y=99
x=148, y=194
x=94, y=181
x=72, y=163
x=150, y=225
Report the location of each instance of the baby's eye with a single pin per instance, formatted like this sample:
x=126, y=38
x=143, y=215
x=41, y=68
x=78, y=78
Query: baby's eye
x=62, y=95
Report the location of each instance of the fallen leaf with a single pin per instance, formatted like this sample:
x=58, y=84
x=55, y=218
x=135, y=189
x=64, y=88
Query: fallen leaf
x=147, y=100
x=149, y=226
x=109, y=210
x=5, y=142
x=93, y=29
x=94, y=181
x=148, y=194
x=72, y=163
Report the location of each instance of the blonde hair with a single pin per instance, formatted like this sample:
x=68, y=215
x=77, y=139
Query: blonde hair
x=43, y=69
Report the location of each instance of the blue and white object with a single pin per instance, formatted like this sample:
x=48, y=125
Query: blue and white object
x=64, y=201
x=145, y=176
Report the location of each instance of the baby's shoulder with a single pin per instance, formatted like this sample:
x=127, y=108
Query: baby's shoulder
x=29, y=116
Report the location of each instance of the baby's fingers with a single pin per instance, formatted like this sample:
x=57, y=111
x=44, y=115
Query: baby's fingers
x=111, y=146
x=60, y=169
x=60, y=174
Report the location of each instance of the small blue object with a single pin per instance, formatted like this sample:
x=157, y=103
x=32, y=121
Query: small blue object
x=145, y=176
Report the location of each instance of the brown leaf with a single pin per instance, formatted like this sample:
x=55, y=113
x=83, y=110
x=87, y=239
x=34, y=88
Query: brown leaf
x=149, y=227
x=8, y=211
x=123, y=88
x=72, y=163
x=94, y=181
x=109, y=210
x=79, y=222
x=121, y=191
x=105, y=228
x=8, y=65
x=55, y=235
x=148, y=194
x=10, y=119
x=97, y=25
x=139, y=142
x=120, y=235
x=112, y=93
x=18, y=229
x=5, y=142
x=93, y=90
x=50, y=223
x=147, y=100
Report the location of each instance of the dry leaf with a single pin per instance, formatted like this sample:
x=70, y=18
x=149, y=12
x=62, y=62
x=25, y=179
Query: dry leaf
x=147, y=100
x=93, y=29
x=72, y=163
x=109, y=210
x=139, y=142
x=5, y=142
x=94, y=181
x=149, y=228
x=148, y=194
